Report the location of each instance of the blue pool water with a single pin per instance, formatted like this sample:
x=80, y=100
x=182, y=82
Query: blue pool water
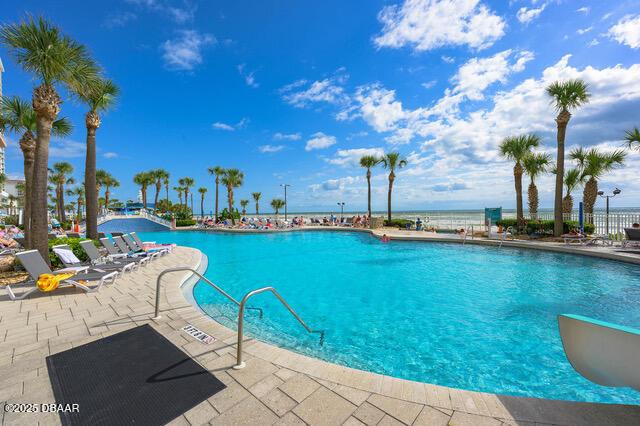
x=469, y=317
x=138, y=225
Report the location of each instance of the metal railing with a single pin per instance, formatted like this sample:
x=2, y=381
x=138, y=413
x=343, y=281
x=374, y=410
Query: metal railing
x=239, y=363
x=155, y=218
x=242, y=306
x=202, y=277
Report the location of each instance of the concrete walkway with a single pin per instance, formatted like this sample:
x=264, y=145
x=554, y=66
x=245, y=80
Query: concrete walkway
x=276, y=387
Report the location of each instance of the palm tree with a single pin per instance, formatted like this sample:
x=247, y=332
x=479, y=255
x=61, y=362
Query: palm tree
x=18, y=116
x=60, y=177
x=571, y=180
x=217, y=171
x=165, y=181
x=179, y=190
x=277, y=204
x=566, y=96
x=144, y=179
x=52, y=58
x=535, y=165
x=392, y=162
x=517, y=148
x=256, y=197
x=244, y=204
x=160, y=176
x=232, y=178
x=593, y=164
x=110, y=182
x=78, y=192
x=202, y=191
x=99, y=95
x=369, y=161
x=632, y=139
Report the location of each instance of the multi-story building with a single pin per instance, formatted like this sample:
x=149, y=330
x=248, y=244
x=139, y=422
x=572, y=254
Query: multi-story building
x=3, y=143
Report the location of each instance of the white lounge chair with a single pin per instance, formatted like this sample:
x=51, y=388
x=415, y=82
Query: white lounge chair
x=36, y=266
x=166, y=247
x=605, y=353
x=97, y=259
x=69, y=259
x=116, y=253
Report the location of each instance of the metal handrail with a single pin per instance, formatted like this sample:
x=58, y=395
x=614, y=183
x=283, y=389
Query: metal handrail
x=504, y=235
x=202, y=277
x=239, y=363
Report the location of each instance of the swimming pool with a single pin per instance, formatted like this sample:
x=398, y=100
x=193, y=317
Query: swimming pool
x=470, y=317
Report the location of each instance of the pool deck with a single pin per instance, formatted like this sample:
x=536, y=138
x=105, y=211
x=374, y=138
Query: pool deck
x=277, y=386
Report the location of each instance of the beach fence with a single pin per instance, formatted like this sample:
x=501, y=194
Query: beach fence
x=611, y=224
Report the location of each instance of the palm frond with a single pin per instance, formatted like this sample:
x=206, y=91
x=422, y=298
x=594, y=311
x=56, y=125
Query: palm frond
x=568, y=95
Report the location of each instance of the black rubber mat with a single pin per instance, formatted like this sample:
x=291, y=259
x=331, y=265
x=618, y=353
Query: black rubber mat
x=134, y=377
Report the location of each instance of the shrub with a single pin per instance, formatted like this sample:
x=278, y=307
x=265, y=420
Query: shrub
x=505, y=223
x=400, y=223
x=181, y=212
x=185, y=222
x=546, y=226
x=224, y=215
x=74, y=243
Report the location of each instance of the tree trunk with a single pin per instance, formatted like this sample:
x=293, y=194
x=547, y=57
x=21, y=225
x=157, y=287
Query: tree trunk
x=144, y=197
x=562, y=121
x=217, y=185
x=28, y=147
x=589, y=196
x=167, y=190
x=155, y=201
x=230, y=195
x=92, y=120
x=517, y=175
x=202, y=207
x=392, y=177
x=46, y=104
x=107, y=195
x=63, y=214
x=533, y=200
x=257, y=209
x=567, y=204
x=369, y=193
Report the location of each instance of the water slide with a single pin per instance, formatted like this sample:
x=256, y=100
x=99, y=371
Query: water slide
x=605, y=353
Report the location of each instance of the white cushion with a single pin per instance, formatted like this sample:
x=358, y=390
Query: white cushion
x=66, y=256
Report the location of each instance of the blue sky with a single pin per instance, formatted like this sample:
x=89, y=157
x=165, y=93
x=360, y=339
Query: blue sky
x=295, y=91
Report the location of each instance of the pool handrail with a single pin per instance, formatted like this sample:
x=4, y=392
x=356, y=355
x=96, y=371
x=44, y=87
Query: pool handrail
x=203, y=278
x=239, y=363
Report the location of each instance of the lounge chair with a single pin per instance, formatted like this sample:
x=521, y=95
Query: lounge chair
x=125, y=248
x=633, y=237
x=115, y=253
x=139, y=249
x=69, y=259
x=97, y=259
x=73, y=235
x=167, y=247
x=578, y=238
x=36, y=266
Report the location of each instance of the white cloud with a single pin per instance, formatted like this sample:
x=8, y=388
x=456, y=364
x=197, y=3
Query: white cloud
x=607, y=16
x=351, y=157
x=270, y=148
x=119, y=19
x=584, y=30
x=429, y=84
x=329, y=90
x=287, y=136
x=584, y=10
x=627, y=31
x=231, y=127
x=448, y=59
x=184, y=52
x=335, y=184
x=67, y=149
x=526, y=15
x=594, y=42
x=430, y=24
x=449, y=187
x=320, y=141
x=249, y=76
x=110, y=155
x=180, y=15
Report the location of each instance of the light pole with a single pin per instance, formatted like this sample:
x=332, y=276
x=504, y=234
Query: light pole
x=601, y=193
x=285, y=185
x=341, y=204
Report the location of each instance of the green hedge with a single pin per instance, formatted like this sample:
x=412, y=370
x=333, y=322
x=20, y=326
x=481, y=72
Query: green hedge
x=185, y=222
x=400, y=223
x=74, y=243
x=545, y=226
x=507, y=223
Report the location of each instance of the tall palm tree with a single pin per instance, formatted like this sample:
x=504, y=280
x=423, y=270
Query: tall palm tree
x=60, y=177
x=566, y=96
x=202, y=191
x=392, y=162
x=232, y=178
x=244, y=204
x=53, y=59
x=256, y=197
x=188, y=183
x=179, y=190
x=571, y=180
x=632, y=139
x=99, y=96
x=144, y=179
x=160, y=175
x=216, y=171
x=593, y=164
x=534, y=165
x=369, y=161
x=517, y=148
x=78, y=192
x=165, y=181
x=18, y=116
x=277, y=204
x=110, y=182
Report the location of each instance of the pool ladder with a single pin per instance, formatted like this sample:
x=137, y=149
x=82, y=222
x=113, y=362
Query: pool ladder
x=242, y=305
